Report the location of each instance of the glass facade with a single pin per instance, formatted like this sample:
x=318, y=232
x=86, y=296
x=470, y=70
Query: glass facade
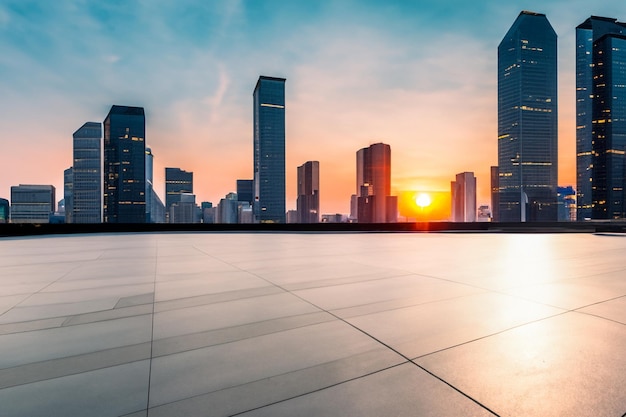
x=373, y=183
x=4, y=210
x=269, y=150
x=68, y=194
x=586, y=34
x=32, y=203
x=245, y=191
x=177, y=182
x=609, y=127
x=87, y=189
x=125, y=165
x=308, y=202
x=527, y=120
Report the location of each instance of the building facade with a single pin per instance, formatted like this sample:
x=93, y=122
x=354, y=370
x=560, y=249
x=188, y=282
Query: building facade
x=609, y=127
x=588, y=33
x=177, y=182
x=269, y=150
x=68, y=195
x=86, y=206
x=245, y=191
x=495, y=193
x=308, y=200
x=464, y=198
x=32, y=203
x=527, y=120
x=184, y=210
x=4, y=210
x=124, y=165
x=373, y=178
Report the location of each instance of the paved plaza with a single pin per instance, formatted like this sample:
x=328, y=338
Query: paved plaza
x=313, y=324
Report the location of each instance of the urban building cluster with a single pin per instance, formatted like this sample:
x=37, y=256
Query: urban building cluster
x=120, y=188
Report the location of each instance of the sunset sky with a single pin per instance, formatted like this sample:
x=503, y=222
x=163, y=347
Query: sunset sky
x=418, y=75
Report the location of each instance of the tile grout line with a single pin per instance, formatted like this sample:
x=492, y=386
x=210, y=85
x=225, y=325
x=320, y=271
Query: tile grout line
x=80, y=263
x=361, y=331
x=156, y=262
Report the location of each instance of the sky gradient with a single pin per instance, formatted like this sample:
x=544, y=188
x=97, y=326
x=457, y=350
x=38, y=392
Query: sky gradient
x=420, y=76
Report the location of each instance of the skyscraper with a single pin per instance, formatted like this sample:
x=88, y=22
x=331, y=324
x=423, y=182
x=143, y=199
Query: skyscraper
x=125, y=165
x=464, y=197
x=527, y=120
x=609, y=127
x=373, y=183
x=308, y=202
x=587, y=33
x=87, y=196
x=495, y=194
x=155, y=209
x=269, y=150
x=177, y=182
x=245, y=191
x=68, y=194
x=32, y=203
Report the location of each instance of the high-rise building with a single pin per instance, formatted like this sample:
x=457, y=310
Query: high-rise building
x=125, y=165
x=32, y=203
x=245, y=191
x=155, y=209
x=527, y=120
x=567, y=204
x=587, y=34
x=269, y=150
x=464, y=198
x=86, y=205
x=177, y=182
x=184, y=210
x=308, y=202
x=4, y=210
x=495, y=194
x=149, y=183
x=68, y=194
x=228, y=209
x=373, y=182
x=609, y=127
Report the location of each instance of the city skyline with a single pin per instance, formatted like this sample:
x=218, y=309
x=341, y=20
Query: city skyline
x=365, y=75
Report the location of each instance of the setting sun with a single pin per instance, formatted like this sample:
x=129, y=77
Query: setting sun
x=423, y=200
x=422, y=205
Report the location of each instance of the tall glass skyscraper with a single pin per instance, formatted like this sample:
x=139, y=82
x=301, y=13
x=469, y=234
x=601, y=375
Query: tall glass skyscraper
x=86, y=204
x=587, y=34
x=527, y=120
x=125, y=165
x=609, y=127
x=269, y=150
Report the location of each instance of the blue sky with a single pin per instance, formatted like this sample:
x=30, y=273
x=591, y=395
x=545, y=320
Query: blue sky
x=419, y=75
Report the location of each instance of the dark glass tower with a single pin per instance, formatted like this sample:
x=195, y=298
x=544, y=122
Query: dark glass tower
x=587, y=33
x=87, y=201
x=308, y=202
x=125, y=165
x=527, y=120
x=609, y=127
x=245, y=191
x=177, y=182
x=269, y=150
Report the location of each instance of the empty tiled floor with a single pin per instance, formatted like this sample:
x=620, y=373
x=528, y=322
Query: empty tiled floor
x=284, y=324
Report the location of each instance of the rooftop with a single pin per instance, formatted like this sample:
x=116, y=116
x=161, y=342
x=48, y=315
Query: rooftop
x=283, y=324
